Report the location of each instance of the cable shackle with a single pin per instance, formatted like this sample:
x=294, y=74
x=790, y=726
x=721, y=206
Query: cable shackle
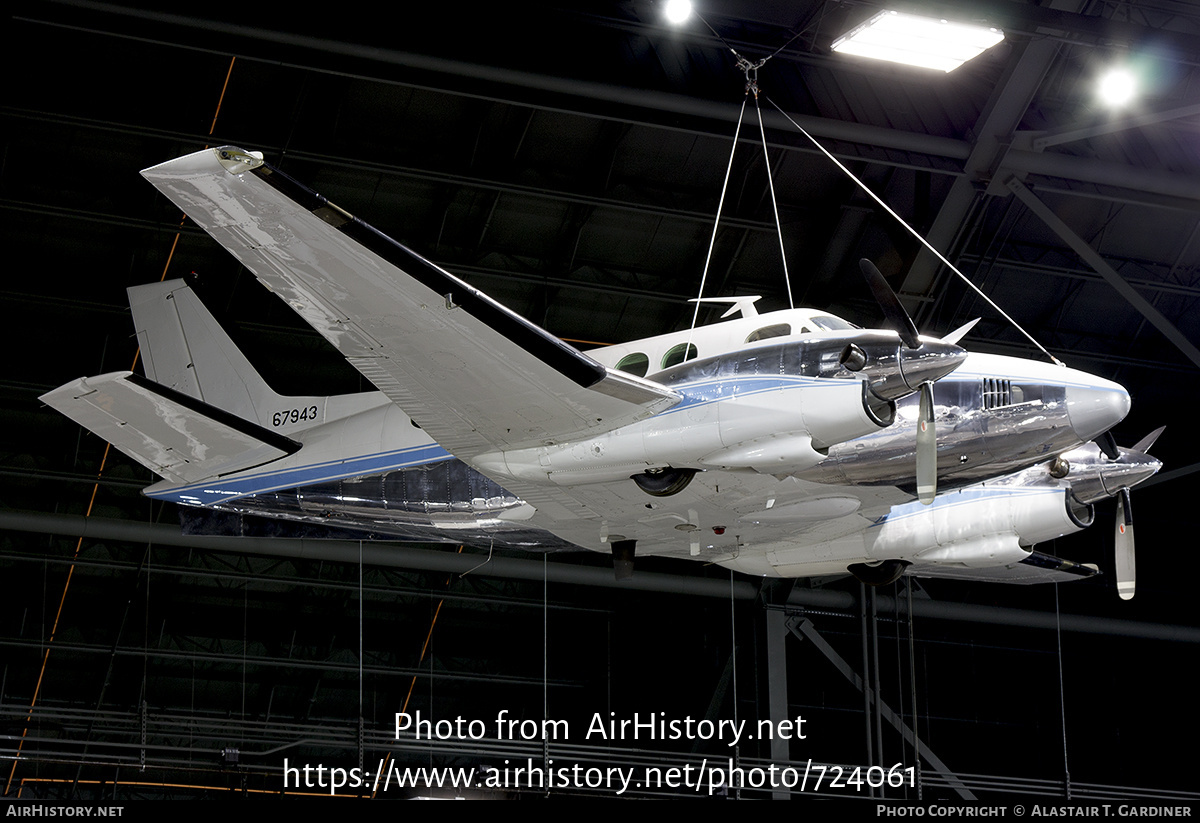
x=751, y=72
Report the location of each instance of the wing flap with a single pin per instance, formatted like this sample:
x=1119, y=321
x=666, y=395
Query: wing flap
x=475, y=375
x=177, y=437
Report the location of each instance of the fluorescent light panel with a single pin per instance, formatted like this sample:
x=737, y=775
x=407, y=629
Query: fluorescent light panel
x=918, y=41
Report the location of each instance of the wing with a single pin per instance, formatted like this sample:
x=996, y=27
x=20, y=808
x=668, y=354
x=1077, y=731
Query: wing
x=476, y=376
x=174, y=435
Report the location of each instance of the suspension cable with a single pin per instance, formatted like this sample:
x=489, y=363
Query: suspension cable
x=774, y=205
x=716, y=223
x=751, y=70
x=914, y=233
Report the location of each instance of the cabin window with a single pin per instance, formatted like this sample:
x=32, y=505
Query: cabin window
x=636, y=364
x=767, y=332
x=677, y=354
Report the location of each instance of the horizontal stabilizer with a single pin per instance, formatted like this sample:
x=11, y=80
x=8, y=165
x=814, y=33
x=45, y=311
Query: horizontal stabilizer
x=178, y=437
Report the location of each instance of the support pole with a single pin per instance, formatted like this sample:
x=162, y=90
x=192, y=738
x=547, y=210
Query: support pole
x=777, y=686
x=804, y=629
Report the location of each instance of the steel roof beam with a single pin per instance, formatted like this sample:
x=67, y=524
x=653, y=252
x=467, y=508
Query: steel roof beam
x=1094, y=259
x=1056, y=137
x=993, y=131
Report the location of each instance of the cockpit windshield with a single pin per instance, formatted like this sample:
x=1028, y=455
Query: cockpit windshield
x=827, y=322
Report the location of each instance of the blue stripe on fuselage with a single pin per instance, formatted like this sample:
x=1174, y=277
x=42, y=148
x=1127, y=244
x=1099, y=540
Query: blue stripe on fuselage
x=221, y=489
x=716, y=389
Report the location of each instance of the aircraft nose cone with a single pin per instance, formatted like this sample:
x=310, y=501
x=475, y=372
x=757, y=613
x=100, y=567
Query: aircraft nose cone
x=1096, y=406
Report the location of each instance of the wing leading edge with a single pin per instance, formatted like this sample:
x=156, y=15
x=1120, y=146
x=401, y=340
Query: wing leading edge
x=475, y=375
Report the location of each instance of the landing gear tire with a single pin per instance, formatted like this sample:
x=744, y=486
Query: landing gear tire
x=883, y=574
x=664, y=482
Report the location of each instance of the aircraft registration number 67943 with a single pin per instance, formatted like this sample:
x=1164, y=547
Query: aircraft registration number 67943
x=282, y=418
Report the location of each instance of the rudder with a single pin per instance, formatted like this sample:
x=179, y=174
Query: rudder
x=185, y=349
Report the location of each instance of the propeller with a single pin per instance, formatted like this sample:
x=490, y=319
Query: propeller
x=1108, y=445
x=1126, y=565
x=1123, y=543
x=889, y=302
x=1110, y=471
x=926, y=447
x=1146, y=443
x=1123, y=539
x=960, y=332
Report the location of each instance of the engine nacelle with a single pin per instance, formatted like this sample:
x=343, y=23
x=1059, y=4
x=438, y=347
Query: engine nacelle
x=975, y=527
x=980, y=526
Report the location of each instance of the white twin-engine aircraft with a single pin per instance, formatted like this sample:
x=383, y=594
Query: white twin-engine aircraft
x=787, y=444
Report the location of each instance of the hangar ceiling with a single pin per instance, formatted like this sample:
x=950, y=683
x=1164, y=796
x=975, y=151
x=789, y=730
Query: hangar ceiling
x=568, y=160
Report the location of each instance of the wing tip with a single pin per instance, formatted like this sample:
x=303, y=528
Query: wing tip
x=230, y=158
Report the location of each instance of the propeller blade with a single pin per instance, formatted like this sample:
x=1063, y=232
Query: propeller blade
x=1147, y=442
x=926, y=447
x=1108, y=445
x=890, y=303
x=926, y=430
x=1126, y=568
x=959, y=333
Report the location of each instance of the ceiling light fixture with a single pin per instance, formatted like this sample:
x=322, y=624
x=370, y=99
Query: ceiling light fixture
x=1118, y=87
x=927, y=42
x=677, y=11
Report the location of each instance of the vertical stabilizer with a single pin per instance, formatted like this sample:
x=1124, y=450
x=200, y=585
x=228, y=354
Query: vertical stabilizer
x=185, y=349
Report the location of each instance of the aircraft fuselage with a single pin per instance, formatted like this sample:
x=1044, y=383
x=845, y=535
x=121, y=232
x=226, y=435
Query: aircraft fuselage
x=996, y=415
